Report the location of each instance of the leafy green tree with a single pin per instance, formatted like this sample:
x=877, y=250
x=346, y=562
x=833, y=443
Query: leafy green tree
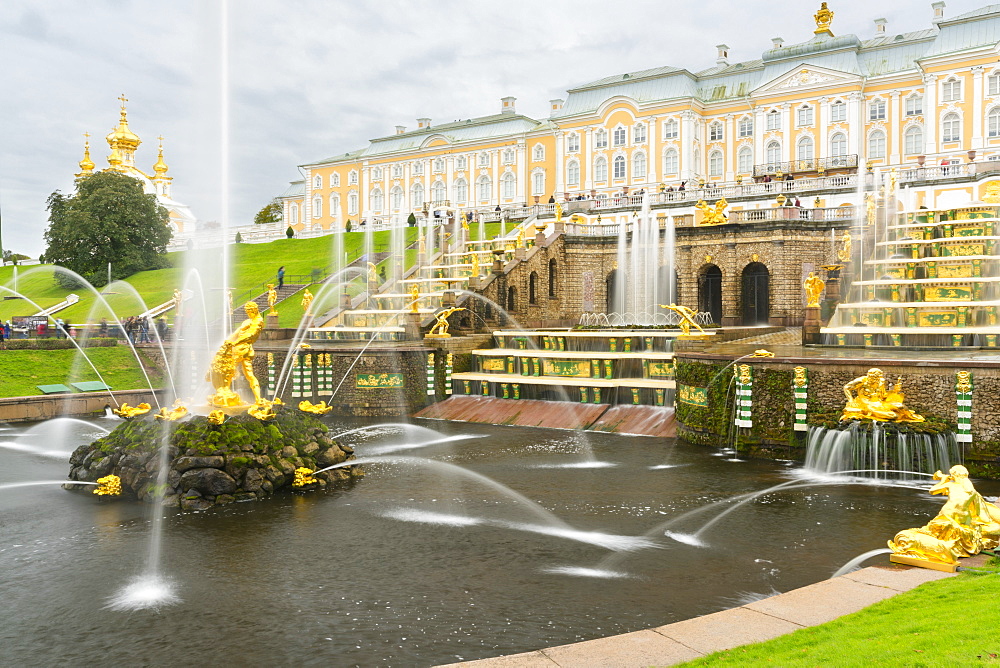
x=347, y=226
x=108, y=220
x=14, y=258
x=411, y=220
x=290, y=232
x=269, y=213
x=239, y=238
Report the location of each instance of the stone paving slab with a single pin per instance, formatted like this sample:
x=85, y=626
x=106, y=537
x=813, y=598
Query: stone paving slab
x=822, y=602
x=726, y=629
x=901, y=578
x=629, y=650
x=525, y=660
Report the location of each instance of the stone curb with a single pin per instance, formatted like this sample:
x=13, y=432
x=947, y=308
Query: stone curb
x=754, y=622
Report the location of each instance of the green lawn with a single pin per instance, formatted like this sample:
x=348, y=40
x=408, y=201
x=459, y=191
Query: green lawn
x=939, y=624
x=23, y=370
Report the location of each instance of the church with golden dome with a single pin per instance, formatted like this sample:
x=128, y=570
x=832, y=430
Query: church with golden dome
x=124, y=143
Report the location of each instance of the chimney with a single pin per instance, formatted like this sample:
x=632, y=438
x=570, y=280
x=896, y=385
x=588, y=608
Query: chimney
x=400, y=129
x=938, y=8
x=555, y=106
x=880, y=26
x=776, y=42
x=507, y=105
x=423, y=123
x=723, y=55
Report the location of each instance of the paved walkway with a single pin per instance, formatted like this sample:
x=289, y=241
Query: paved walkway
x=754, y=622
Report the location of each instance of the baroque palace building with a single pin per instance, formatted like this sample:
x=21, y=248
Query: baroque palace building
x=123, y=144
x=824, y=106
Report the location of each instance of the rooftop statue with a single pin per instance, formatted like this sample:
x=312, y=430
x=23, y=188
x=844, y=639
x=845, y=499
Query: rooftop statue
x=966, y=525
x=235, y=354
x=869, y=399
x=713, y=215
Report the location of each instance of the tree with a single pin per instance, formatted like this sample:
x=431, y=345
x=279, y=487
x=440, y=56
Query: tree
x=13, y=258
x=108, y=220
x=239, y=238
x=290, y=232
x=347, y=226
x=411, y=220
x=270, y=213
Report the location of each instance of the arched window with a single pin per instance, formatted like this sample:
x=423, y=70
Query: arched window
x=352, y=203
x=334, y=180
x=744, y=160
x=438, y=192
x=417, y=196
x=601, y=169
x=876, y=144
x=773, y=154
x=439, y=165
x=417, y=168
x=511, y=299
x=876, y=110
x=317, y=181
x=915, y=105
x=377, y=200
x=335, y=204
x=397, y=171
x=538, y=182
x=352, y=178
x=745, y=128
x=508, y=156
x=601, y=138
x=993, y=122
x=461, y=191
x=838, y=145
x=804, y=115
x=317, y=207
x=376, y=173
x=715, y=132
x=538, y=153
x=532, y=287
x=670, y=162
x=619, y=136
x=639, y=165
x=773, y=120
x=396, y=198
x=804, y=152
x=951, y=128
x=460, y=163
x=573, y=173
x=838, y=112
x=572, y=142
x=993, y=84
x=913, y=140
x=552, y=278
x=715, y=163
x=670, y=129
x=619, y=167
x=484, y=159
x=639, y=133
x=951, y=90
x=508, y=186
x=483, y=188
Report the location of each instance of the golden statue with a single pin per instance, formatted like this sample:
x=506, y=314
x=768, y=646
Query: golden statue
x=824, y=17
x=172, y=414
x=844, y=254
x=966, y=525
x=760, y=352
x=713, y=216
x=440, y=328
x=870, y=208
x=422, y=244
x=687, y=318
x=868, y=398
x=109, y=485
x=178, y=298
x=520, y=239
x=814, y=289
x=414, y=298
x=475, y=264
x=216, y=417
x=235, y=354
x=372, y=273
x=317, y=409
x=559, y=212
x=129, y=412
x=272, y=299
x=465, y=222
x=262, y=411
x=303, y=477
x=307, y=300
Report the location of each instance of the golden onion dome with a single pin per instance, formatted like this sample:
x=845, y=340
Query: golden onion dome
x=121, y=136
x=86, y=165
x=160, y=167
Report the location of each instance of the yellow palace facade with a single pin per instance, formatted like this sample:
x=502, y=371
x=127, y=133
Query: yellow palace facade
x=826, y=105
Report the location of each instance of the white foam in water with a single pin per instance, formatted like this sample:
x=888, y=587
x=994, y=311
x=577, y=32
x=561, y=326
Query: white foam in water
x=580, y=572
x=606, y=540
x=146, y=592
x=21, y=447
x=575, y=465
x=389, y=449
x=429, y=517
x=660, y=467
x=686, y=538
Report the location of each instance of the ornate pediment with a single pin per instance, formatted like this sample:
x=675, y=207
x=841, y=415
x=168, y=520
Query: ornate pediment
x=805, y=77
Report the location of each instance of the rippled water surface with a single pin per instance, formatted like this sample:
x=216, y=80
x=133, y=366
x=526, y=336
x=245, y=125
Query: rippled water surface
x=417, y=563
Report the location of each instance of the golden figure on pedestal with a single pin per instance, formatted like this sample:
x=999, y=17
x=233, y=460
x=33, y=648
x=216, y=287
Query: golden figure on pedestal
x=475, y=264
x=713, y=215
x=272, y=299
x=559, y=212
x=966, y=525
x=687, y=318
x=440, y=328
x=814, y=289
x=317, y=409
x=414, y=298
x=172, y=414
x=372, y=273
x=868, y=398
x=235, y=354
x=129, y=412
x=844, y=254
x=307, y=300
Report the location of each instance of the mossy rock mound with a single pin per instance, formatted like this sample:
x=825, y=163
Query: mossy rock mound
x=244, y=459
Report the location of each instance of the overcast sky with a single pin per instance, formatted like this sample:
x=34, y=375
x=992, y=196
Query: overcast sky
x=308, y=79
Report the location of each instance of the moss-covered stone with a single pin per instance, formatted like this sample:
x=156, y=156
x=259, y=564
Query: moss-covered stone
x=243, y=459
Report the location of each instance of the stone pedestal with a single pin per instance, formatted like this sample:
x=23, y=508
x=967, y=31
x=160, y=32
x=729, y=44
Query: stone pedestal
x=411, y=327
x=560, y=227
x=539, y=238
x=497, y=266
x=345, y=300
x=271, y=322
x=519, y=253
x=811, y=325
x=447, y=299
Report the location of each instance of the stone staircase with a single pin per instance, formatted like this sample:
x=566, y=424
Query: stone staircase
x=788, y=336
x=284, y=292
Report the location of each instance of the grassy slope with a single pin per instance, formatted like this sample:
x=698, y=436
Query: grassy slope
x=22, y=370
x=252, y=264
x=944, y=623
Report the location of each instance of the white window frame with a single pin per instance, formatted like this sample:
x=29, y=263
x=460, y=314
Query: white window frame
x=671, y=161
x=876, y=145
x=317, y=182
x=461, y=188
x=439, y=192
x=993, y=122
x=620, y=168
x=538, y=153
x=639, y=133
x=508, y=186
x=951, y=89
x=838, y=112
x=951, y=127
x=773, y=120
x=538, y=182
x=352, y=178
x=745, y=127
x=804, y=115
x=876, y=109
x=838, y=145
x=671, y=128
x=715, y=131
x=335, y=180
x=773, y=152
x=639, y=165
x=913, y=140
x=601, y=169
x=377, y=199
x=805, y=149
x=508, y=156
x=715, y=166
x=600, y=138
x=317, y=207
x=572, y=143
x=914, y=105
x=484, y=189
x=619, y=137
x=573, y=173
x=417, y=169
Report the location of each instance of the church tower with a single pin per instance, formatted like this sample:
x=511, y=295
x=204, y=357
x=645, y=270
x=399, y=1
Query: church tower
x=160, y=179
x=123, y=143
x=86, y=165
